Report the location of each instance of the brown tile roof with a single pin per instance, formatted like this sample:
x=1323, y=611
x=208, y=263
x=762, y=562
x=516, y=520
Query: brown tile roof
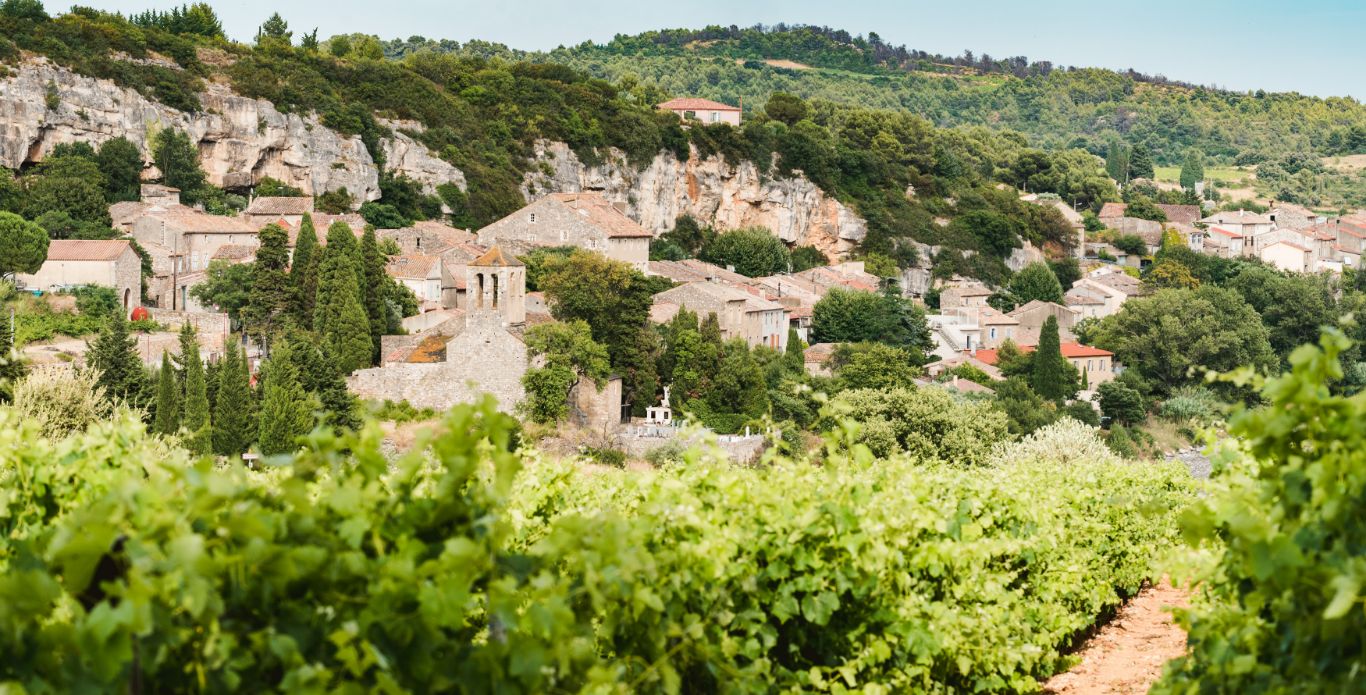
x=695, y=104
x=195, y=222
x=1112, y=210
x=280, y=205
x=495, y=258
x=414, y=265
x=602, y=214
x=234, y=252
x=82, y=250
x=820, y=352
x=1180, y=214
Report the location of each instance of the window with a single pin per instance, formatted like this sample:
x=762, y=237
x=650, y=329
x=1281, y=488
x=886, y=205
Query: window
x=993, y=332
x=715, y=116
x=531, y=218
x=1088, y=366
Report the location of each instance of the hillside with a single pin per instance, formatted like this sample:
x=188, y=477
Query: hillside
x=1055, y=107
x=494, y=121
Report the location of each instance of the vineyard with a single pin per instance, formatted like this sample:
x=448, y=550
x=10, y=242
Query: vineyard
x=473, y=565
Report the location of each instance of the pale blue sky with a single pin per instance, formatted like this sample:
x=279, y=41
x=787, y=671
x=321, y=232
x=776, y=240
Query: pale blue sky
x=1309, y=46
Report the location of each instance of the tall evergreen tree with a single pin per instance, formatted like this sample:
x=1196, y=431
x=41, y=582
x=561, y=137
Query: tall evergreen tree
x=286, y=409
x=1117, y=162
x=168, y=398
x=178, y=159
x=195, y=415
x=1141, y=163
x=234, y=427
x=121, y=163
x=1051, y=376
x=339, y=317
x=1192, y=169
x=373, y=288
x=12, y=367
x=319, y=375
x=303, y=273
x=115, y=359
x=269, y=299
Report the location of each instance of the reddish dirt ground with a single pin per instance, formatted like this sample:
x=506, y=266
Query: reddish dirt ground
x=1127, y=655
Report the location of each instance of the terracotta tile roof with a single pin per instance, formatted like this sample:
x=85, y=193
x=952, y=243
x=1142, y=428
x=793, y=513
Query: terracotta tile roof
x=195, y=222
x=601, y=213
x=495, y=258
x=1068, y=350
x=414, y=266
x=1180, y=214
x=820, y=352
x=280, y=205
x=83, y=250
x=1112, y=210
x=1226, y=232
x=234, y=252
x=695, y=104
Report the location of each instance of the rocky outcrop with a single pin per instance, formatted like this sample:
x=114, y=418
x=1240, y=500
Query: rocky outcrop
x=727, y=196
x=412, y=158
x=240, y=139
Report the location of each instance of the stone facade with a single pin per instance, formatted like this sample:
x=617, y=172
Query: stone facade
x=113, y=264
x=742, y=315
x=594, y=408
x=484, y=359
x=584, y=220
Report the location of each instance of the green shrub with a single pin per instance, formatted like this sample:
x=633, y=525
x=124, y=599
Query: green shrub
x=1191, y=403
x=341, y=570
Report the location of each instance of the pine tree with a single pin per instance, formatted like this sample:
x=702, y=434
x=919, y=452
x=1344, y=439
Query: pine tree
x=286, y=409
x=303, y=273
x=114, y=358
x=269, y=298
x=12, y=367
x=233, y=424
x=195, y=415
x=168, y=398
x=1192, y=169
x=373, y=288
x=1051, y=376
x=339, y=317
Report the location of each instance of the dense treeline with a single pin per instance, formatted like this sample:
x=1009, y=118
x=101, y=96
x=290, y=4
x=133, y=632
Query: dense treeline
x=1056, y=107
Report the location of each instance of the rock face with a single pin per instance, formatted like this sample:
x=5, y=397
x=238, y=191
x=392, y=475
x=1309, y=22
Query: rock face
x=709, y=189
x=240, y=140
x=404, y=154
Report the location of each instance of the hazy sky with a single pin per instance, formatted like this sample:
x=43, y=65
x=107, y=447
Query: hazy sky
x=1309, y=46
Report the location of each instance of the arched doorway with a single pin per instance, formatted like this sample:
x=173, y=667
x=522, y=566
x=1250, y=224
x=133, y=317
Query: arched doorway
x=127, y=295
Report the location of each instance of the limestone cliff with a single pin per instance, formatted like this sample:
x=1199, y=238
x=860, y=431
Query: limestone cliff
x=725, y=195
x=240, y=139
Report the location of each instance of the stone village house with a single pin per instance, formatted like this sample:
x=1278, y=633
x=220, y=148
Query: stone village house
x=106, y=263
x=584, y=220
x=704, y=110
x=486, y=354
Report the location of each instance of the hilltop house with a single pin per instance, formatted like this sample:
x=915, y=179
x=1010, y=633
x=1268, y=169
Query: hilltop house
x=704, y=110
x=585, y=220
x=105, y=263
x=1248, y=224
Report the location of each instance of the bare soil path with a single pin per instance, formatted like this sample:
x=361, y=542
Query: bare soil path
x=1127, y=655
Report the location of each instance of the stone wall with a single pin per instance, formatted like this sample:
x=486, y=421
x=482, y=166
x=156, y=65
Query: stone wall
x=597, y=409
x=484, y=359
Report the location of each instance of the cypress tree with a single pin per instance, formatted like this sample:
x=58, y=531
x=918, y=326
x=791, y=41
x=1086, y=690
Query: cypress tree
x=195, y=417
x=12, y=367
x=319, y=376
x=115, y=359
x=1141, y=163
x=168, y=398
x=270, y=294
x=303, y=273
x=233, y=424
x=1051, y=376
x=286, y=409
x=795, y=357
x=373, y=288
x=339, y=317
